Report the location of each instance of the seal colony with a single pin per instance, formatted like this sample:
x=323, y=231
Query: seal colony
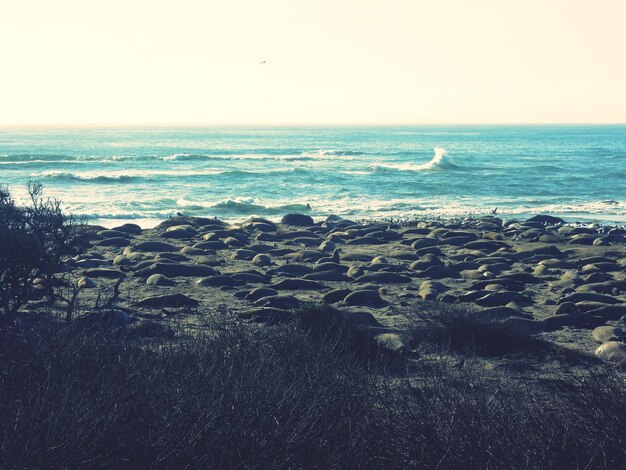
x=541, y=276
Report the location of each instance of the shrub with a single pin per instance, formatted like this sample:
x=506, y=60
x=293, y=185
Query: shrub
x=345, y=333
x=470, y=418
x=20, y=254
x=459, y=329
x=324, y=323
x=33, y=239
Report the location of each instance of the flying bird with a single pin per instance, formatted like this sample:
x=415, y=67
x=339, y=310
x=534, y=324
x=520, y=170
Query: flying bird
x=495, y=210
x=262, y=62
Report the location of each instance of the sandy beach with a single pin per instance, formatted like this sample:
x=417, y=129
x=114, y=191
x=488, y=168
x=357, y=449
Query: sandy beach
x=542, y=277
x=328, y=343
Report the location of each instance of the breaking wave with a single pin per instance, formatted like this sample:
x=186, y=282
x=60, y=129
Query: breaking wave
x=64, y=176
x=240, y=206
x=438, y=162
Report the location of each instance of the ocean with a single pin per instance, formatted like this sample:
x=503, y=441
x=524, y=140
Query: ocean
x=110, y=176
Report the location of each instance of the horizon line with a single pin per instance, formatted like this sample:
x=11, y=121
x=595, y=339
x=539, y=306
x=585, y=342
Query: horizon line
x=111, y=125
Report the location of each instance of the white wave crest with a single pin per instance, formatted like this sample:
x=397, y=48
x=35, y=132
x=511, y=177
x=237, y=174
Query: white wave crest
x=242, y=206
x=438, y=162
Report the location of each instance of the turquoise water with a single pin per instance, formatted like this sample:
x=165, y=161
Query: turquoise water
x=112, y=175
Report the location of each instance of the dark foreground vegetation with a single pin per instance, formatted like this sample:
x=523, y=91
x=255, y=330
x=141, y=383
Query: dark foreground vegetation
x=33, y=240
x=281, y=397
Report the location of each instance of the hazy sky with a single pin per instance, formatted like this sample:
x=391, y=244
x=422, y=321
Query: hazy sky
x=334, y=62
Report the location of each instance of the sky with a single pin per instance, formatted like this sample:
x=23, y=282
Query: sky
x=196, y=62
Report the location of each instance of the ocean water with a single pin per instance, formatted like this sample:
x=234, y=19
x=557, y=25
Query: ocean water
x=145, y=175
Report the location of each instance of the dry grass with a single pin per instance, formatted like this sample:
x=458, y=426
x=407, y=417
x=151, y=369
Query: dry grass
x=458, y=329
x=282, y=397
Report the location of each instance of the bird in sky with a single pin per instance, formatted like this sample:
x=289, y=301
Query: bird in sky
x=494, y=211
x=262, y=62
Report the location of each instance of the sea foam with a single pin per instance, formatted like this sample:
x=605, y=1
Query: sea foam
x=439, y=161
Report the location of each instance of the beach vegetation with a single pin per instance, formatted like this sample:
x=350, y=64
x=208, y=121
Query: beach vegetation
x=459, y=328
x=33, y=240
x=238, y=396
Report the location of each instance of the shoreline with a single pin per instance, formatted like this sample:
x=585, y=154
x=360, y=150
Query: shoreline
x=151, y=223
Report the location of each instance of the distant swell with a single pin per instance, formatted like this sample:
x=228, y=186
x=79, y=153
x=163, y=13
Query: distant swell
x=336, y=153
x=88, y=178
x=28, y=157
x=265, y=173
x=261, y=154
x=153, y=175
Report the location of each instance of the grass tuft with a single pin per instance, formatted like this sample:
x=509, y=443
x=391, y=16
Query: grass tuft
x=459, y=329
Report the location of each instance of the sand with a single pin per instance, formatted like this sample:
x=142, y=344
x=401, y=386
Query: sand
x=521, y=270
